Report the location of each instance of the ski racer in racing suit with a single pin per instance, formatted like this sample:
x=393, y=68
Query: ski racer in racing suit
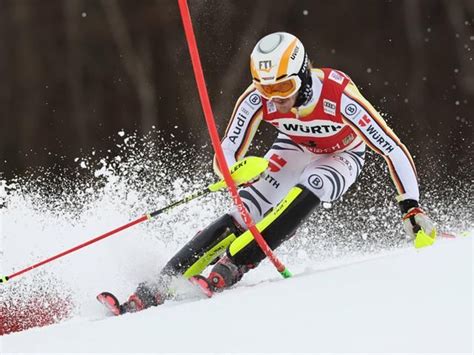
x=324, y=126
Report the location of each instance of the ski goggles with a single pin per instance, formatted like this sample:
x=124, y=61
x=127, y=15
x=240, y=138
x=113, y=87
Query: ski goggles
x=282, y=90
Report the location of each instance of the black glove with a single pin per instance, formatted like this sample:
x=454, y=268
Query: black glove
x=417, y=224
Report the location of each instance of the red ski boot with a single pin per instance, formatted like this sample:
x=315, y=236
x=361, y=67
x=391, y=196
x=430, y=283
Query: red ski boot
x=203, y=284
x=225, y=274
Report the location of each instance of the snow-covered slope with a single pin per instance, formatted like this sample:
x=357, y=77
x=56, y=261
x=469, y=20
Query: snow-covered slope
x=356, y=286
x=404, y=301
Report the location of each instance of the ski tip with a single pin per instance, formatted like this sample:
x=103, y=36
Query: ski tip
x=110, y=302
x=203, y=284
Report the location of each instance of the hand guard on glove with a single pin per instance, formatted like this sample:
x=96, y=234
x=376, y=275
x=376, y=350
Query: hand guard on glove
x=417, y=224
x=250, y=168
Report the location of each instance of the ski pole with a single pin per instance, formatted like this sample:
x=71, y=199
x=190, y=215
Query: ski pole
x=242, y=172
x=211, y=125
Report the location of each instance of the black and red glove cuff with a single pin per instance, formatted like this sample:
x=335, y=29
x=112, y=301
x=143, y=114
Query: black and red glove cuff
x=405, y=205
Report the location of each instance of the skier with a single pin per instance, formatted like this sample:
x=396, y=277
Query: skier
x=324, y=125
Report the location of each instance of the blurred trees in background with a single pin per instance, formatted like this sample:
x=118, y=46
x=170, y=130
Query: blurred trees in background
x=75, y=72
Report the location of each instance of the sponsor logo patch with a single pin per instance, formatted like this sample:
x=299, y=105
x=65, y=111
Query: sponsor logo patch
x=265, y=65
x=382, y=141
x=329, y=107
x=240, y=119
x=295, y=53
x=272, y=181
x=350, y=110
x=317, y=128
x=335, y=76
x=271, y=108
x=255, y=99
x=315, y=181
x=276, y=162
x=364, y=121
x=348, y=139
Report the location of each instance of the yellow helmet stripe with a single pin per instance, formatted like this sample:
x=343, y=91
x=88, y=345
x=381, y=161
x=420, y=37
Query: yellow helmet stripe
x=283, y=67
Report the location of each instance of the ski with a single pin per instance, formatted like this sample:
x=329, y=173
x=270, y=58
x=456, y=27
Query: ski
x=202, y=283
x=110, y=302
x=113, y=305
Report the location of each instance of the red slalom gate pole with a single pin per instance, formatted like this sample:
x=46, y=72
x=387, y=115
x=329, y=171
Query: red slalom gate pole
x=206, y=105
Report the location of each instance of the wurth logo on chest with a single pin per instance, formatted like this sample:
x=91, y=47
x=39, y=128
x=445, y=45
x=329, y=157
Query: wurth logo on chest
x=319, y=128
x=329, y=107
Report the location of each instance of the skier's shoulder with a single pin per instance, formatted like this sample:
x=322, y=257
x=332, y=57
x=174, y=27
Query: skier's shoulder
x=251, y=97
x=331, y=75
x=337, y=77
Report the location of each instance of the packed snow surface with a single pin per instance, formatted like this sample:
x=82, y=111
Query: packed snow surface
x=357, y=287
x=404, y=301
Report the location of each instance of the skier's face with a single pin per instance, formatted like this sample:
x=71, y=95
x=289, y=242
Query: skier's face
x=285, y=105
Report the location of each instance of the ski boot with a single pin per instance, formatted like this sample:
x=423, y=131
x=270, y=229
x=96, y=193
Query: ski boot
x=225, y=274
x=145, y=296
x=203, y=284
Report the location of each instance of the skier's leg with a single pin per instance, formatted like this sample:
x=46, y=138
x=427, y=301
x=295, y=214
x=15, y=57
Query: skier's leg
x=327, y=178
x=330, y=177
x=287, y=161
x=276, y=227
x=192, y=259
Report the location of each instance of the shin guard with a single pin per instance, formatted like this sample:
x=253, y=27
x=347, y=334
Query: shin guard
x=204, y=248
x=276, y=227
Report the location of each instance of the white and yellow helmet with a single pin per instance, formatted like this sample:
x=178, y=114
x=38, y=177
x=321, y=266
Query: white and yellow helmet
x=279, y=66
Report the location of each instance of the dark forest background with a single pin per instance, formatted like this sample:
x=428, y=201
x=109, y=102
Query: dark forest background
x=75, y=72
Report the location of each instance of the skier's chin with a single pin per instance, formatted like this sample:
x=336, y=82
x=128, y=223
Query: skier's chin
x=284, y=105
x=283, y=109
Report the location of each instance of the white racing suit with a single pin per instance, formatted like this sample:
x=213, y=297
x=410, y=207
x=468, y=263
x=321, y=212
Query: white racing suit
x=320, y=145
x=317, y=155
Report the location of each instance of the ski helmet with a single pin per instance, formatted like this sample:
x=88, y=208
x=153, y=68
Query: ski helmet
x=280, y=68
